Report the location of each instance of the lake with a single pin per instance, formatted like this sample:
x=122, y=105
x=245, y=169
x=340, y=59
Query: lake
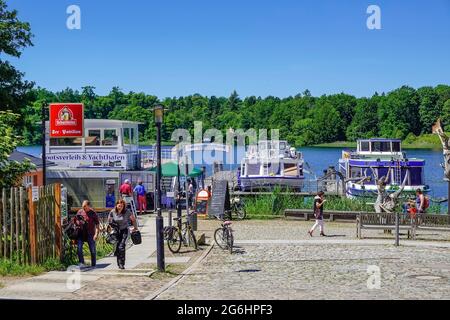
x=320, y=159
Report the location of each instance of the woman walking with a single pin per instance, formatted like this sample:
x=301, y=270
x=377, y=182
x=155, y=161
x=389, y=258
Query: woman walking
x=119, y=218
x=318, y=213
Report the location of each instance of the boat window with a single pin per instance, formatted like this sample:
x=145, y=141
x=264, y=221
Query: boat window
x=416, y=176
x=355, y=172
x=126, y=136
x=111, y=138
x=65, y=142
x=93, y=138
x=364, y=146
x=379, y=146
x=282, y=145
x=396, y=146
x=132, y=136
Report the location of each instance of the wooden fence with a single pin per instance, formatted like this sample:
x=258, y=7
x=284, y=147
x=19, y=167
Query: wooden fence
x=30, y=224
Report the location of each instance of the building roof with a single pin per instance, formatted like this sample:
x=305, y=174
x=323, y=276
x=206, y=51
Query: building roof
x=380, y=140
x=21, y=156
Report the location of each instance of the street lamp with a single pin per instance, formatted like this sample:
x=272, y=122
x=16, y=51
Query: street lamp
x=44, y=156
x=179, y=214
x=159, y=115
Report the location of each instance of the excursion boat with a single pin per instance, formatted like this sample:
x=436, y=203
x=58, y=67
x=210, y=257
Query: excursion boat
x=93, y=166
x=376, y=158
x=269, y=164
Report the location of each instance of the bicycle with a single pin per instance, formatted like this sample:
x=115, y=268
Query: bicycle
x=238, y=208
x=223, y=236
x=182, y=233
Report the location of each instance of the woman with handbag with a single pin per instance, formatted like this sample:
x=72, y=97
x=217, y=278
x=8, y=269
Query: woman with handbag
x=120, y=217
x=318, y=213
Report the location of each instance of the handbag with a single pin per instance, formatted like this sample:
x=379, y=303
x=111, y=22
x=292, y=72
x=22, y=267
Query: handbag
x=136, y=237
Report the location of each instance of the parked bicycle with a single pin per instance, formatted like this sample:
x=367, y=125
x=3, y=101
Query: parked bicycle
x=181, y=233
x=223, y=236
x=238, y=208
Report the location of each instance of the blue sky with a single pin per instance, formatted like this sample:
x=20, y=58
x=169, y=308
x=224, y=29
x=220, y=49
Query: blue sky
x=256, y=47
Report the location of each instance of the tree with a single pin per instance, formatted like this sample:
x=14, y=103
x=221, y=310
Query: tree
x=429, y=110
x=14, y=37
x=364, y=123
x=10, y=171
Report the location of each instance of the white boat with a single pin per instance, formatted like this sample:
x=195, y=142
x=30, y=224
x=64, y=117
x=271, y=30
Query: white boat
x=269, y=164
x=376, y=158
x=93, y=167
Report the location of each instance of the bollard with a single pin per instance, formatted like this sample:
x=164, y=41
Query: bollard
x=397, y=228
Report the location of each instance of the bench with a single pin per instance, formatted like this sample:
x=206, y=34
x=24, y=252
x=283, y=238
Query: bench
x=330, y=215
x=384, y=221
x=433, y=222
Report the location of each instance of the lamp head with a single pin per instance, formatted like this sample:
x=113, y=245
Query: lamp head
x=159, y=114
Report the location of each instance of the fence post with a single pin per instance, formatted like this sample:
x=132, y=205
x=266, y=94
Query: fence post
x=11, y=214
x=5, y=224
x=17, y=213
x=397, y=228
x=32, y=231
x=58, y=228
x=22, y=200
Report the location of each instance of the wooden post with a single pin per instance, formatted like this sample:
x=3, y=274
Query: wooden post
x=1, y=230
x=17, y=213
x=5, y=225
x=32, y=231
x=58, y=226
x=11, y=214
x=22, y=224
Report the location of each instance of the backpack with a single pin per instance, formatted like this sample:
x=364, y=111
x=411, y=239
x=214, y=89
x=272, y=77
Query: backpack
x=72, y=231
x=426, y=202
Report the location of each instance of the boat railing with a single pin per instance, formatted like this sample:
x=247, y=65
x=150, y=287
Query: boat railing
x=148, y=156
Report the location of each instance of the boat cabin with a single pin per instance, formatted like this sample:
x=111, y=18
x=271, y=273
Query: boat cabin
x=379, y=147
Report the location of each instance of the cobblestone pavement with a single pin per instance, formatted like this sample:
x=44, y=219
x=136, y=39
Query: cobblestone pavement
x=303, y=268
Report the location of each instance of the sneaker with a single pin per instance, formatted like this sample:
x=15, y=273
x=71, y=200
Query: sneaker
x=121, y=267
x=310, y=233
x=323, y=234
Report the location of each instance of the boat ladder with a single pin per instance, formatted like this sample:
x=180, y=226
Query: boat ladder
x=398, y=174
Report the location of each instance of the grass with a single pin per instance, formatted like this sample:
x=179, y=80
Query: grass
x=272, y=206
x=14, y=268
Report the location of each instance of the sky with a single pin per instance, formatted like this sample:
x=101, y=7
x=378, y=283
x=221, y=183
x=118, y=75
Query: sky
x=256, y=47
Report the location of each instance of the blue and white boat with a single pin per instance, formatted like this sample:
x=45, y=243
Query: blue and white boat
x=269, y=164
x=377, y=158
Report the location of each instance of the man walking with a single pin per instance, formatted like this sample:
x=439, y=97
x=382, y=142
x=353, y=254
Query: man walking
x=318, y=213
x=87, y=220
x=125, y=189
x=141, y=197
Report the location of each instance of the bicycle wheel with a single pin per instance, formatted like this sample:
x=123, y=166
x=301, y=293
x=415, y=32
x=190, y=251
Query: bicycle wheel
x=240, y=212
x=220, y=238
x=174, y=242
x=230, y=239
x=192, y=239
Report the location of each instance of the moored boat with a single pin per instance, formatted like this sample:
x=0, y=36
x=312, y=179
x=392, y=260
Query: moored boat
x=377, y=158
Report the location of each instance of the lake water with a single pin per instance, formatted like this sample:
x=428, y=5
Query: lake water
x=320, y=159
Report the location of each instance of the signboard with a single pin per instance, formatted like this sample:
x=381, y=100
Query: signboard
x=220, y=200
x=89, y=160
x=35, y=193
x=66, y=120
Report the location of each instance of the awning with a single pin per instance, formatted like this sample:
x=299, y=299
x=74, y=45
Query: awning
x=170, y=169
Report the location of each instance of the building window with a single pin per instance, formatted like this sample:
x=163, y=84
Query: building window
x=365, y=146
x=111, y=138
x=93, y=138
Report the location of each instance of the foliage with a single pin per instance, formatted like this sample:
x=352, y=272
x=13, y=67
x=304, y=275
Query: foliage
x=10, y=171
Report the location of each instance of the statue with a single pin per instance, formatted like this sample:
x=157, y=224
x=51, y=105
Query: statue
x=387, y=202
x=437, y=128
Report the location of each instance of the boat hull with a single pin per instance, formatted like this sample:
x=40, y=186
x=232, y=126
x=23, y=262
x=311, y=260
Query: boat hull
x=269, y=182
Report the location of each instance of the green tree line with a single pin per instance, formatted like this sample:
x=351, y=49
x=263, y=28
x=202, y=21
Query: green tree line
x=302, y=119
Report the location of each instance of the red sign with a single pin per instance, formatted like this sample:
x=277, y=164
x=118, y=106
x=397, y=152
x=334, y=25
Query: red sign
x=66, y=120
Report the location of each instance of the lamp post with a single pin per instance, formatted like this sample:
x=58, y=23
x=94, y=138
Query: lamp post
x=179, y=213
x=159, y=114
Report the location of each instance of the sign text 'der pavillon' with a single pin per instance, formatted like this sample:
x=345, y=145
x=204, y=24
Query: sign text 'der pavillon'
x=66, y=120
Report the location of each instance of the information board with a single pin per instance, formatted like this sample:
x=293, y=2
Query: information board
x=220, y=200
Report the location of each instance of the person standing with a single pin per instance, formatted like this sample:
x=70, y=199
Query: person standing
x=141, y=197
x=190, y=193
x=319, y=201
x=120, y=217
x=125, y=189
x=420, y=201
x=87, y=219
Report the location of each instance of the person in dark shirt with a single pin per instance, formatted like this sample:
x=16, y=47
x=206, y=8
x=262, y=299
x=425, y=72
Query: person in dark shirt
x=318, y=213
x=87, y=220
x=119, y=218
